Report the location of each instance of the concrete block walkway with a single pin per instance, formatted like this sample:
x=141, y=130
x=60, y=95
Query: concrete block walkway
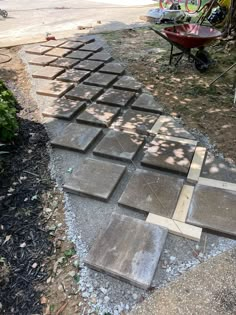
x=116, y=152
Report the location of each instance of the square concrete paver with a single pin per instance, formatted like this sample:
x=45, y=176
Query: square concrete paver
x=54, y=43
x=48, y=72
x=116, y=97
x=128, y=83
x=100, y=115
x=119, y=145
x=101, y=79
x=84, y=92
x=63, y=108
x=113, y=67
x=147, y=103
x=134, y=120
x=58, y=52
x=74, y=76
x=78, y=54
x=89, y=65
x=95, y=178
x=94, y=47
x=64, y=63
x=152, y=192
x=37, y=50
x=214, y=209
x=72, y=45
x=77, y=137
x=172, y=128
x=170, y=155
x=83, y=39
x=128, y=249
x=42, y=60
x=54, y=88
x=101, y=56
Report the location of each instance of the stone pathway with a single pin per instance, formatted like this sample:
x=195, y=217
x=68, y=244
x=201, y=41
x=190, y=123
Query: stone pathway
x=126, y=152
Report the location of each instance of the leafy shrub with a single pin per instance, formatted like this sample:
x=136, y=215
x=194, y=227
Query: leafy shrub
x=8, y=122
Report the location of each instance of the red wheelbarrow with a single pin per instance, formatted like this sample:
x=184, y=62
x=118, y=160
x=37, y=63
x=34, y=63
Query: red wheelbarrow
x=186, y=37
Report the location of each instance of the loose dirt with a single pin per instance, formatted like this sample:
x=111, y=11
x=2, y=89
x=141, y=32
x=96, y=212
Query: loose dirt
x=182, y=90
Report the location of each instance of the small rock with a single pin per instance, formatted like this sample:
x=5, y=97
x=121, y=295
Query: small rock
x=127, y=307
x=103, y=290
x=172, y=258
x=22, y=245
x=49, y=280
x=107, y=285
x=48, y=210
x=135, y=296
x=85, y=295
x=60, y=287
x=106, y=299
x=71, y=273
x=34, y=265
x=76, y=263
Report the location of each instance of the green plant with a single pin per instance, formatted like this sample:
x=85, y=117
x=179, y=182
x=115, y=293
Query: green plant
x=8, y=122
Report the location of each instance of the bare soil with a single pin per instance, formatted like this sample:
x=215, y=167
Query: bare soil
x=182, y=90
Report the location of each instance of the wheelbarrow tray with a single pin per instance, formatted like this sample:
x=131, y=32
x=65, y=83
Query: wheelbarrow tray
x=191, y=35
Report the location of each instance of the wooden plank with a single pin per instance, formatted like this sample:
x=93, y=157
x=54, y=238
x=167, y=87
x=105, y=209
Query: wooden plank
x=160, y=121
x=183, y=204
x=176, y=227
x=177, y=139
x=217, y=183
x=196, y=165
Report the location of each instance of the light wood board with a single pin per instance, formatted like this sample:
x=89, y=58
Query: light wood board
x=176, y=227
x=196, y=165
x=183, y=203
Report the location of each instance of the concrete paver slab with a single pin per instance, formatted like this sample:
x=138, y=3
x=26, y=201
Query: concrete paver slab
x=116, y=97
x=101, y=79
x=53, y=43
x=81, y=55
x=100, y=115
x=72, y=45
x=58, y=52
x=48, y=72
x=128, y=83
x=84, y=92
x=170, y=155
x=152, y=192
x=113, y=67
x=213, y=208
x=94, y=47
x=171, y=127
x=64, y=63
x=77, y=137
x=74, y=76
x=83, y=39
x=42, y=60
x=119, y=145
x=89, y=65
x=95, y=178
x=63, y=108
x=219, y=169
x=37, y=50
x=147, y=103
x=138, y=121
x=54, y=88
x=128, y=249
x=101, y=56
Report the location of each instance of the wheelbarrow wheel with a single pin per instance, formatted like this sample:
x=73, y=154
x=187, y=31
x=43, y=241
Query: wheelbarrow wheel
x=202, y=61
x=4, y=13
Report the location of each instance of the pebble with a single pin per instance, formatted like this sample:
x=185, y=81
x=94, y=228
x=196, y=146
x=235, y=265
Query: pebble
x=71, y=273
x=103, y=290
x=85, y=295
x=172, y=258
x=106, y=299
x=135, y=296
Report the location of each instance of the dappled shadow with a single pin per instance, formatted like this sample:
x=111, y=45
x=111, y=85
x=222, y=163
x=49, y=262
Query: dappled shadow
x=169, y=155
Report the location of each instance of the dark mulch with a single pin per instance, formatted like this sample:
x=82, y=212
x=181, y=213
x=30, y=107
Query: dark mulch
x=24, y=242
